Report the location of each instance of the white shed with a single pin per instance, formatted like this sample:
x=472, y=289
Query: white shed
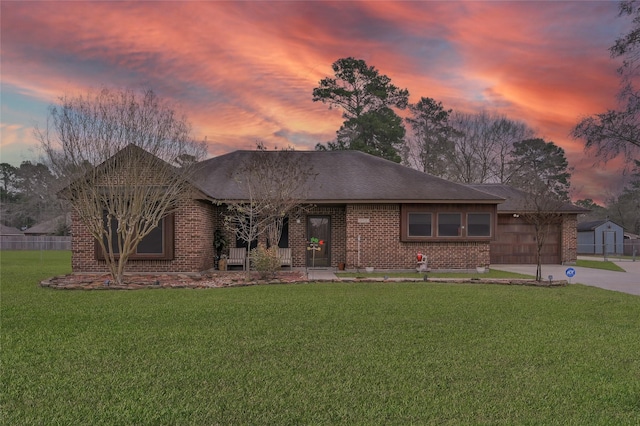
x=600, y=237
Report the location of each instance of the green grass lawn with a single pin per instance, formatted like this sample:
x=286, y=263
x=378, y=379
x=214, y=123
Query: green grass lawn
x=334, y=353
x=599, y=264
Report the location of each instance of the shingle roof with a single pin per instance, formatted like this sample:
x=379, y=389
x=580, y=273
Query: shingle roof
x=516, y=199
x=590, y=226
x=9, y=230
x=50, y=226
x=343, y=176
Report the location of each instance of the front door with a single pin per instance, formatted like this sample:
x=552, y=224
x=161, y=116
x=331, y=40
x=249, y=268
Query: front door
x=319, y=229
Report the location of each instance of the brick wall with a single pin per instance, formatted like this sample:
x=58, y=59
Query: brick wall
x=378, y=226
x=193, y=244
x=569, y=238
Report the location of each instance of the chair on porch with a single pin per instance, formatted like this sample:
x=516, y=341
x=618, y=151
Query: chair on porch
x=237, y=256
x=285, y=257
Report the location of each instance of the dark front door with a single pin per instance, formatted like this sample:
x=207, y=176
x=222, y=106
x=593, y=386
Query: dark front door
x=319, y=228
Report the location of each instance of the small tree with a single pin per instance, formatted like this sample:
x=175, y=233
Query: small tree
x=113, y=149
x=542, y=209
x=275, y=184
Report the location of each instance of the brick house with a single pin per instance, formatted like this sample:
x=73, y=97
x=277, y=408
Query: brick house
x=515, y=241
x=368, y=211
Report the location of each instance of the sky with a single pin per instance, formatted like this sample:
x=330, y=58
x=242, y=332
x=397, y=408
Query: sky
x=244, y=71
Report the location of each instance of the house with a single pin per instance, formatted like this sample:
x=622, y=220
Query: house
x=367, y=211
x=515, y=240
x=600, y=237
x=9, y=230
x=56, y=226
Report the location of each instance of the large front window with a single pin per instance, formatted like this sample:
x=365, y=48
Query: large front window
x=446, y=222
x=158, y=244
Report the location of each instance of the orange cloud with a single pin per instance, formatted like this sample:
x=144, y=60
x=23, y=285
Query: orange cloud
x=245, y=71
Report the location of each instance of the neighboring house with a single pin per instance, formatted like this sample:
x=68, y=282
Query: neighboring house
x=10, y=238
x=600, y=237
x=515, y=241
x=55, y=226
x=9, y=230
x=368, y=212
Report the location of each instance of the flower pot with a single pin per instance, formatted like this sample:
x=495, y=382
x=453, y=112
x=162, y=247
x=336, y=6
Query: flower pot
x=369, y=269
x=481, y=269
x=341, y=266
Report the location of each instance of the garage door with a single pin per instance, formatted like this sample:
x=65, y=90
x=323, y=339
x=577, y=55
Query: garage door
x=515, y=243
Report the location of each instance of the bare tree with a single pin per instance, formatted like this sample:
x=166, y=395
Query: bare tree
x=616, y=132
x=542, y=209
x=505, y=133
x=113, y=150
x=484, y=146
x=275, y=184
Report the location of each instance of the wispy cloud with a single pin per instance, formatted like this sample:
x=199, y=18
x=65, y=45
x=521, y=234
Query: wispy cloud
x=244, y=71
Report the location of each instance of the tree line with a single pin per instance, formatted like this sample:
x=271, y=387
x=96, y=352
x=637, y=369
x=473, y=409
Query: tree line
x=484, y=147
x=487, y=147
x=28, y=196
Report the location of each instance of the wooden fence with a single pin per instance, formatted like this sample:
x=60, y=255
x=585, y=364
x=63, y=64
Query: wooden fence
x=632, y=247
x=28, y=242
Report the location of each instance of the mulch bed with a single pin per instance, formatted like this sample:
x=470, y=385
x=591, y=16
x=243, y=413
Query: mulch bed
x=215, y=279
x=218, y=279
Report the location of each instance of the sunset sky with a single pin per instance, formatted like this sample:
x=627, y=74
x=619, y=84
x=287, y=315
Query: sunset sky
x=244, y=71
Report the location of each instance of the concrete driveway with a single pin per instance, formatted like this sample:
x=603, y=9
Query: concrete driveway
x=625, y=282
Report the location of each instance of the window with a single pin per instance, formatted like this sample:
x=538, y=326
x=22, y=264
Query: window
x=158, y=244
x=446, y=222
x=479, y=224
x=419, y=224
x=449, y=224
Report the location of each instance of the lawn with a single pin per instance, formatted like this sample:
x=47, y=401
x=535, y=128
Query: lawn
x=599, y=264
x=334, y=353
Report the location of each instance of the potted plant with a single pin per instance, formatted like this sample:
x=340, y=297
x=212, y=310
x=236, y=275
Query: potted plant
x=222, y=263
x=220, y=243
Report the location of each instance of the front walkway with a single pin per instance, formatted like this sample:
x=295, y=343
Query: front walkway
x=321, y=275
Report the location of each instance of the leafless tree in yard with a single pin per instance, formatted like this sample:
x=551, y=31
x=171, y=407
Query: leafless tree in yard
x=114, y=151
x=275, y=184
x=542, y=209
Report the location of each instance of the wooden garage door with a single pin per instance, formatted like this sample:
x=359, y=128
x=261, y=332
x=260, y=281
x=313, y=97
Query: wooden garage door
x=515, y=243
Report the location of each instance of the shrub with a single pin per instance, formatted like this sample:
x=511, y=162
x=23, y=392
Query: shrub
x=265, y=261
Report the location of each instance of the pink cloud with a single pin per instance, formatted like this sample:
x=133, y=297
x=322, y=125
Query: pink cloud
x=244, y=71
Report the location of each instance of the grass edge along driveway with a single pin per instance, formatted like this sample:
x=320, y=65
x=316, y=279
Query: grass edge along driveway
x=362, y=353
